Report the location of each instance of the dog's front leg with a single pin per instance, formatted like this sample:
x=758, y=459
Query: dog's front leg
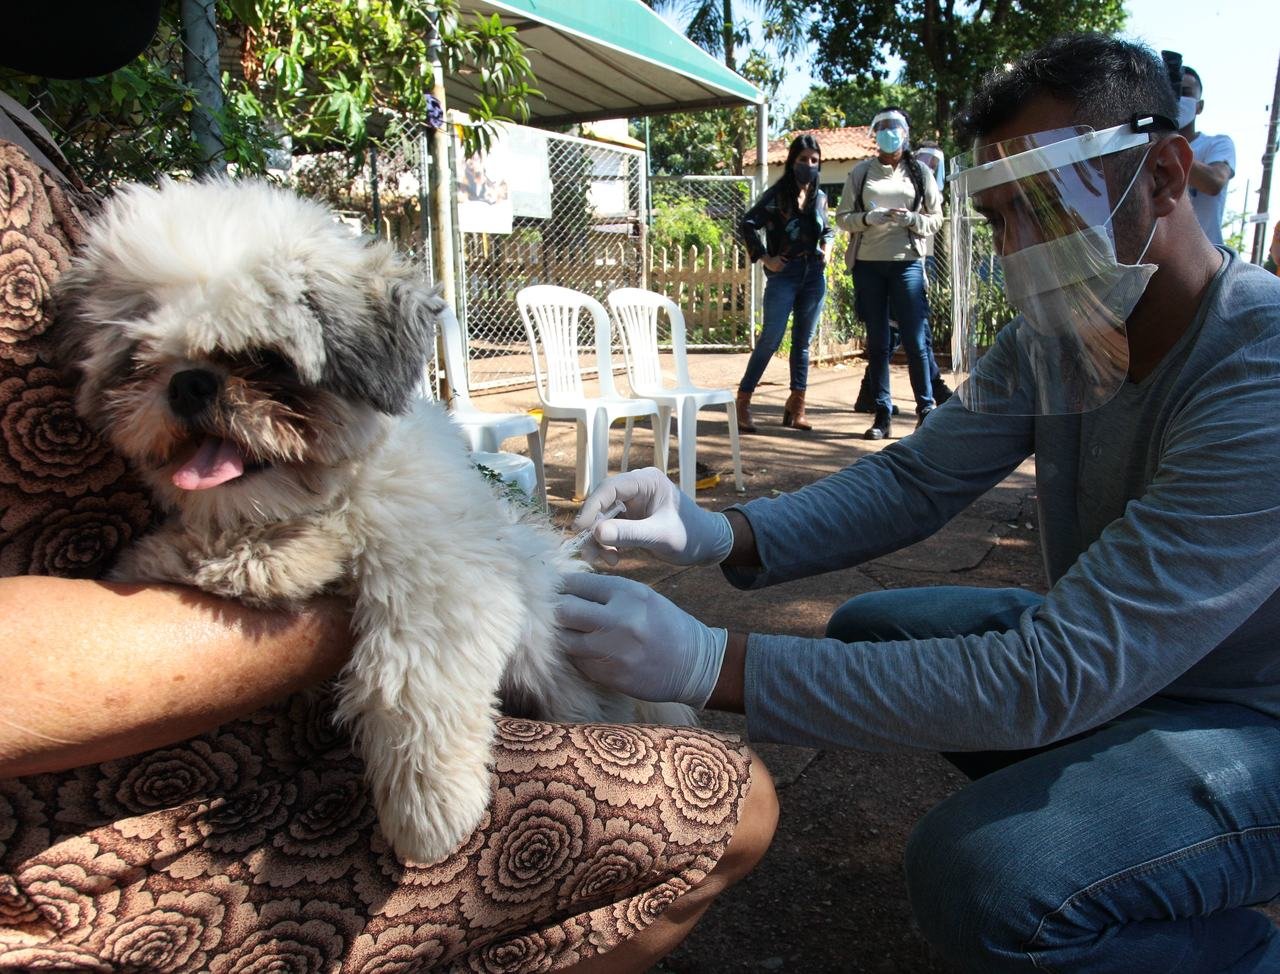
x=165, y=555
x=422, y=713
x=278, y=564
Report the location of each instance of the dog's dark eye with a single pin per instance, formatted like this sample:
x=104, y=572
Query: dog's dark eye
x=270, y=362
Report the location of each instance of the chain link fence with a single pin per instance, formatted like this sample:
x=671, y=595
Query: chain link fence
x=573, y=215
x=697, y=259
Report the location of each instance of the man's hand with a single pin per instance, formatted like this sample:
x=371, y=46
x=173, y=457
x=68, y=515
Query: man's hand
x=626, y=636
x=877, y=217
x=658, y=517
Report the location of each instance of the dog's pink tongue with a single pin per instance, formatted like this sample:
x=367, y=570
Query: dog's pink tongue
x=215, y=462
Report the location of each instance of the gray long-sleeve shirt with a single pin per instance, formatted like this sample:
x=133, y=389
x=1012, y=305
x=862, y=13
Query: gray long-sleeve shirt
x=1160, y=526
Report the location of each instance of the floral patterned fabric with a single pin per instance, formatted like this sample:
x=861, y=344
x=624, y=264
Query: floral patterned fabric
x=254, y=848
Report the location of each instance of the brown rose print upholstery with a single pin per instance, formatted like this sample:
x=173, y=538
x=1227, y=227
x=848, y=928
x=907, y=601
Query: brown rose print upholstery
x=254, y=848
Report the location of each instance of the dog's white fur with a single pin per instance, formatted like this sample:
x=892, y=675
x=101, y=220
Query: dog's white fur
x=315, y=339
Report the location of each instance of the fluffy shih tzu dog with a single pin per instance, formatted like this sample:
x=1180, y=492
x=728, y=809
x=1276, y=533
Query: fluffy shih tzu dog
x=260, y=366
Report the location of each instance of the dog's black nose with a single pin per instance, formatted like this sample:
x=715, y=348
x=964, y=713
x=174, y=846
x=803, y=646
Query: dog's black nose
x=191, y=392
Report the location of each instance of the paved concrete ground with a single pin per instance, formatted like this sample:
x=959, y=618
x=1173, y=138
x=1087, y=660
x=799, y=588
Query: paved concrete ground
x=829, y=896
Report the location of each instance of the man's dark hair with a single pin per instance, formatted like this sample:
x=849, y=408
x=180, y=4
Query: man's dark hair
x=1195, y=74
x=1108, y=79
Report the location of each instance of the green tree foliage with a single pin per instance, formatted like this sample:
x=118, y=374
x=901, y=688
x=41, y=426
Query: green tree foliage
x=685, y=144
x=856, y=103
x=332, y=71
x=682, y=222
x=945, y=47
x=326, y=74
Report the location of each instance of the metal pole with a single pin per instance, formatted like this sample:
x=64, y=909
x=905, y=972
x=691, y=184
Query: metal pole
x=200, y=68
x=373, y=190
x=441, y=178
x=1268, y=160
x=1244, y=213
x=762, y=180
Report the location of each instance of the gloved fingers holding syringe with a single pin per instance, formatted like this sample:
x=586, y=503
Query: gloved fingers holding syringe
x=655, y=516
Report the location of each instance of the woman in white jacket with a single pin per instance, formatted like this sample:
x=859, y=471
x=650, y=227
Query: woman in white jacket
x=891, y=207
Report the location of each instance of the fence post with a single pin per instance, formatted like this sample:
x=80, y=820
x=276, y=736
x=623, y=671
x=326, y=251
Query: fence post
x=200, y=68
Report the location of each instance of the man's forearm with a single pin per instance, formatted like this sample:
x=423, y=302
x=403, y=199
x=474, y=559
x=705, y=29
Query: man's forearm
x=95, y=671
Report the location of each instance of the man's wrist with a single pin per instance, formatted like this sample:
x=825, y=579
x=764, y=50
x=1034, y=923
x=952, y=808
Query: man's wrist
x=729, y=692
x=743, y=552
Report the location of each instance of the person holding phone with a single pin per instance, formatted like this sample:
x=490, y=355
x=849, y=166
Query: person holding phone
x=891, y=206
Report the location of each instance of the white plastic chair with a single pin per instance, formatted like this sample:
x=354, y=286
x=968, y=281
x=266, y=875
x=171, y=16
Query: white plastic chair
x=511, y=467
x=551, y=320
x=635, y=311
x=485, y=431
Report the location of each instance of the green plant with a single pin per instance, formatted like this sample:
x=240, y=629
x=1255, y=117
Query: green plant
x=679, y=224
x=508, y=491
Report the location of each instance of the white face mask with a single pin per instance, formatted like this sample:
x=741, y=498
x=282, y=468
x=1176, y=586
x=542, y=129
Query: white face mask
x=1186, y=110
x=1074, y=284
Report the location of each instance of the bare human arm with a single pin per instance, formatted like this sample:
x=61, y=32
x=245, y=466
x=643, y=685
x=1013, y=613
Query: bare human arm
x=96, y=670
x=1210, y=178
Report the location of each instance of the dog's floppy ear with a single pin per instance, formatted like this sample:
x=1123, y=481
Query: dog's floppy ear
x=380, y=358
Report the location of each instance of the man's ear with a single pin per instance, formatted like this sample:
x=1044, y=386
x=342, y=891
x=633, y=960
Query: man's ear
x=1170, y=173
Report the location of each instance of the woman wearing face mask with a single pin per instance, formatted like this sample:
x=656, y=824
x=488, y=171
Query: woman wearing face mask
x=891, y=207
x=797, y=238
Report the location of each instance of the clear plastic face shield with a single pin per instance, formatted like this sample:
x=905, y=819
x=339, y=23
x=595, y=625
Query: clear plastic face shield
x=1033, y=251
x=890, y=131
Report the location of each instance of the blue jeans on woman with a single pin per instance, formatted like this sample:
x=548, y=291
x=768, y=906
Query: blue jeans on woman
x=795, y=292
x=879, y=285
x=1136, y=847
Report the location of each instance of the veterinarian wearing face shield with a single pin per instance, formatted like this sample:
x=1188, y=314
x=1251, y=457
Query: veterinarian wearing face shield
x=1123, y=730
x=160, y=746
x=1035, y=213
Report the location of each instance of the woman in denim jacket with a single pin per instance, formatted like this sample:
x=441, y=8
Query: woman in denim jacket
x=797, y=238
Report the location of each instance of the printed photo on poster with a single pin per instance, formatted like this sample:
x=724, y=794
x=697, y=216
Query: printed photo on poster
x=484, y=191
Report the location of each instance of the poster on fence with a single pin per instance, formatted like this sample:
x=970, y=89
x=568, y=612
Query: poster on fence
x=509, y=179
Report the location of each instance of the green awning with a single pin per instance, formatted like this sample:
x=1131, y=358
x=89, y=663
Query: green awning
x=598, y=59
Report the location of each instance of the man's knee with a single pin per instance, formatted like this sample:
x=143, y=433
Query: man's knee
x=967, y=882
x=872, y=617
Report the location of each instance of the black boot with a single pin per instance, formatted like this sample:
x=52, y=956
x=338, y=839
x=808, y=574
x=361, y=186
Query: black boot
x=941, y=391
x=881, y=426
x=866, y=401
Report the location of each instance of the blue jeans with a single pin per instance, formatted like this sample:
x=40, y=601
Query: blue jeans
x=1136, y=847
x=881, y=285
x=795, y=292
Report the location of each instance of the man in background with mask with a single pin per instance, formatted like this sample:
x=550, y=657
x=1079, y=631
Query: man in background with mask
x=1123, y=731
x=1215, y=159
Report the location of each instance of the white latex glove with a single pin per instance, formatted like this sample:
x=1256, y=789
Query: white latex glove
x=877, y=217
x=902, y=218
x=626, y=636
x=658, y=517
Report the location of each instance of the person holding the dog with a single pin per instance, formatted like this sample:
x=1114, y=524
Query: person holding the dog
x=890, y=206
x=792, y=213
x=1123, y=731
x=174, y=793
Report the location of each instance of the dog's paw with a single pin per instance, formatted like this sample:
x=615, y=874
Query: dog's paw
x=427, y=827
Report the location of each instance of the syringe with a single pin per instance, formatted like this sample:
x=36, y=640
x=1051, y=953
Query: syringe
x=574, y=544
